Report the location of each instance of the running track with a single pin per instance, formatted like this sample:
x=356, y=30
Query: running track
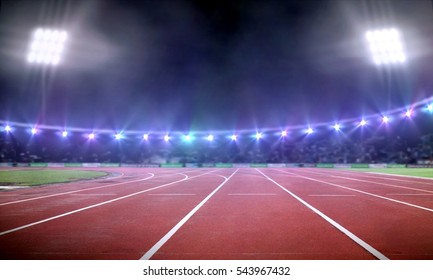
x=221, y=214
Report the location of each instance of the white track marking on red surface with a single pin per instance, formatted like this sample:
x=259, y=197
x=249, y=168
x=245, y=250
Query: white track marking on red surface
x=81, y=190
x=366, y=181
x=363, y=192
x=352, y=236
x=98, y=204
x=169, y=234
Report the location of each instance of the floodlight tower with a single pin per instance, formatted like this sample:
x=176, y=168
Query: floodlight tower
x=386, y=46
x=46, y=49
x=386, y=49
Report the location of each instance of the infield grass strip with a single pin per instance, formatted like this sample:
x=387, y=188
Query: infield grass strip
x=412, y=172
x=41, y=177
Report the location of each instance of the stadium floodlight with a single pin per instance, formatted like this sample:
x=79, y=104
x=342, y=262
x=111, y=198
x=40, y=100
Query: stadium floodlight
x=118, y=136
x=385, y=119
x=47, y=46
x=408, y=113
x=386, y=46
x=337, y=127
x=284, y=133
x=210, y=138
x=166, y=138
x=64, y=133
x=363, y=122
x=187, y=137
x=145, y=136
x=8, y=128
x=258, y=136
x=234, y=137
x=34, y=131
x=310, y=130
x=430, y=108
x=91, y=136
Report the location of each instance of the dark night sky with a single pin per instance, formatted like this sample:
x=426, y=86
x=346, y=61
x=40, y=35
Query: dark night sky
x=211, y=64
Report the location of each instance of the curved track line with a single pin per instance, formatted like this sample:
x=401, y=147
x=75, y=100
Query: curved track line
x=169, y=234
x=352, y=236
x=372, y=182
x=81, y=190
x=359, y=191
x=97, y=205
x=404, y=176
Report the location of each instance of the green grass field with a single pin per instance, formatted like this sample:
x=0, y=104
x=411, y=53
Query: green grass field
x=41, y=177
x=417, y=172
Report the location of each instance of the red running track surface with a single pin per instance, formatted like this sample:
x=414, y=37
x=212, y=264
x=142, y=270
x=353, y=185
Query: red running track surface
x=268, y=213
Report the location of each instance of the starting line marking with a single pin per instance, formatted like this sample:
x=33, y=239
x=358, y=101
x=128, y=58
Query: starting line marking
x=332, y=195
x=174, y=194
x=91, y=194
x=264, y=194
x=352, y=236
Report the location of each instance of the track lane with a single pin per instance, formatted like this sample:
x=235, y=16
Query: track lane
x=16, y=215
x=29, y=211
x=396, y=230
x=414, y=194
x=251, y=218
x=122, y=230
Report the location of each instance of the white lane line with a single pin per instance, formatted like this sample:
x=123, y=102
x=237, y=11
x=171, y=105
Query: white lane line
x=169, y=234
x=410, y=194
x=366, y=193
x=371, y=182
x=352, y=236
x=399, y=175
x=259, y=194
x=170, y=194
x=332, y=195
x=92, y=194
x=81, y=190
x=13, y=187
x=97, y=205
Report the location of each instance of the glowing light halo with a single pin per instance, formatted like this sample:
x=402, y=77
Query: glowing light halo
x=47, y=46
x=386, y=46
x=423, y=105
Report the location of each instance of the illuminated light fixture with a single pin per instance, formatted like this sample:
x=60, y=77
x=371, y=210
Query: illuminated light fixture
x=91, y=136
x=385, y=119
x=337, y=127
x=145, y=136
x=283, y=133
x=386, y=46
x=430, y=108
x=64, y=133
x=187, y=138
x=259, y=136
x=166, y=138
x=234, y=137
x=47, y=46
x=34, y=131
x=118, y=136
x=8, y=128
x=310, y=130
x=408, y=113
x=210, y=138
x=363, y=123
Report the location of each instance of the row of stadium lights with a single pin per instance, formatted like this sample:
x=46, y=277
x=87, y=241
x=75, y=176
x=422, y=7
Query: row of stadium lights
x=234, y=137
